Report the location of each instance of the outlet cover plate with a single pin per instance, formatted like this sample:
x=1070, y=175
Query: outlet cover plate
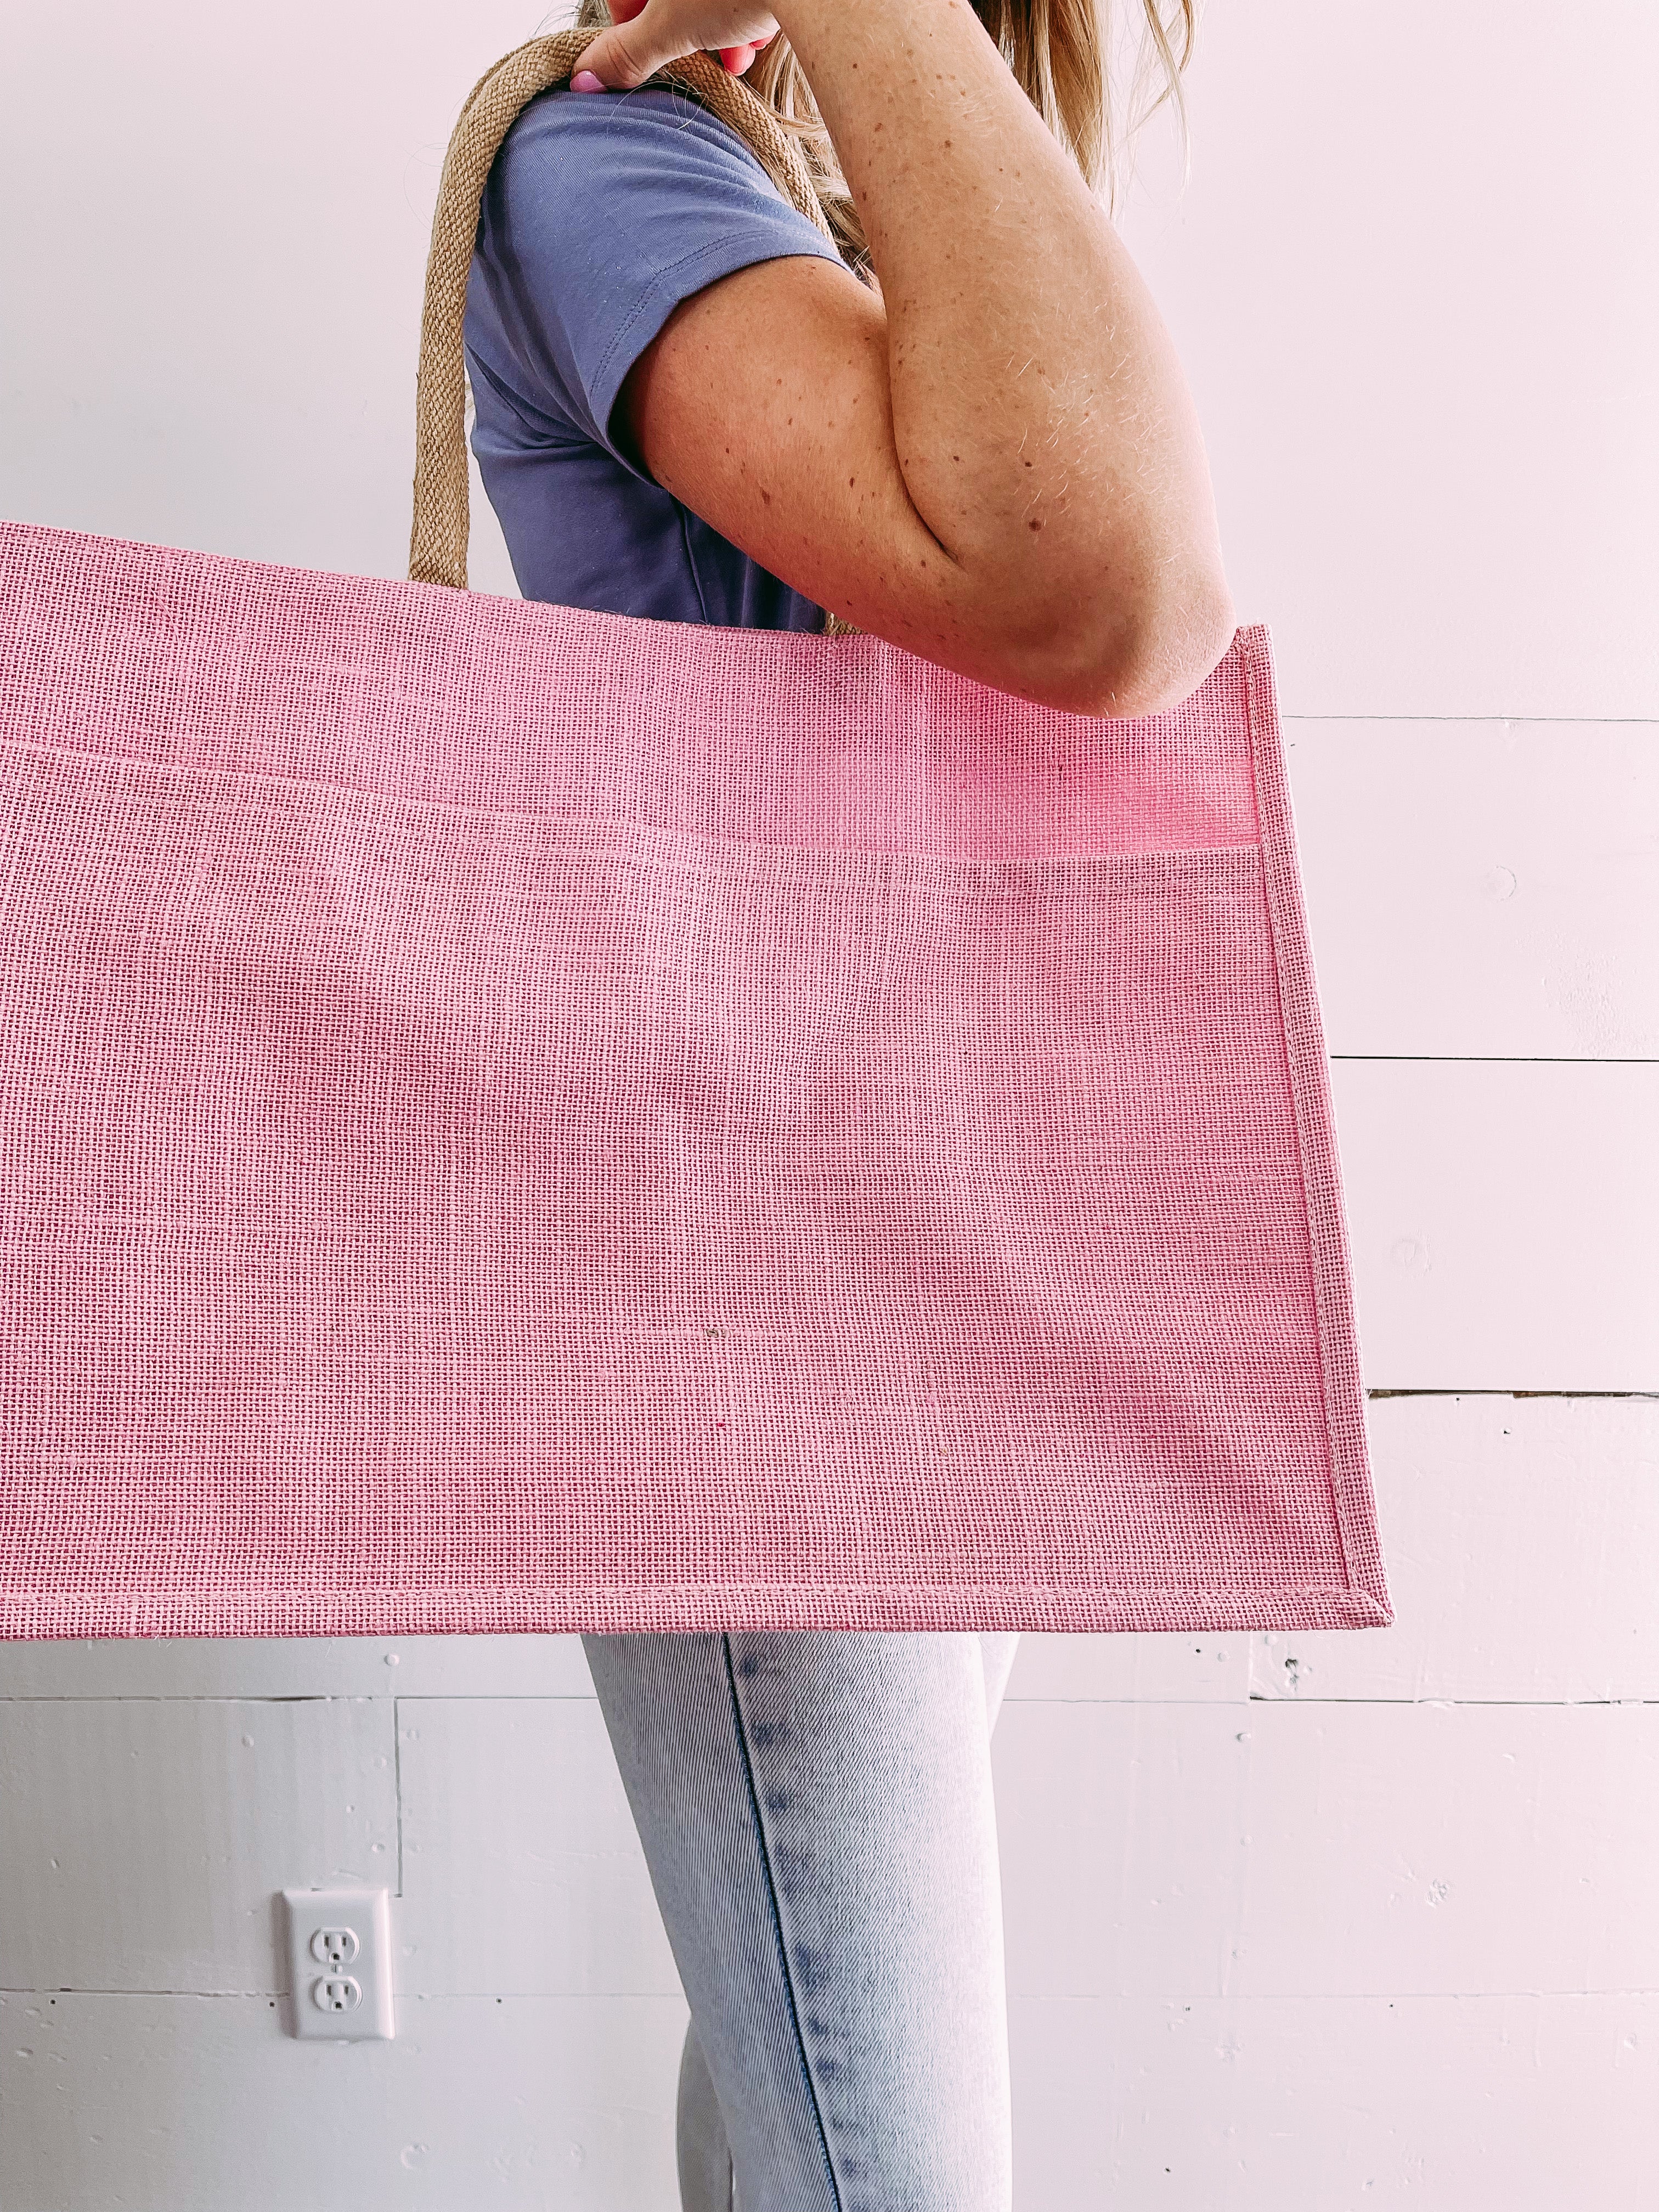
x=339, y=1965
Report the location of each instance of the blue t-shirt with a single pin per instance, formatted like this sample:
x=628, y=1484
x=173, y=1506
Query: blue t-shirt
x=602, y=212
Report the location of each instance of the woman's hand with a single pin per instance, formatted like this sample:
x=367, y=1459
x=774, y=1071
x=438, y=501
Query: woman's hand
x=646, y=33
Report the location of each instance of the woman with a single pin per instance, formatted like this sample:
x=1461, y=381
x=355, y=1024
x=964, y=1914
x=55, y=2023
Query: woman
x=967, y=432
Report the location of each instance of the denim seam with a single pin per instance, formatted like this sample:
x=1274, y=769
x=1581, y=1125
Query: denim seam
x=777, y=1922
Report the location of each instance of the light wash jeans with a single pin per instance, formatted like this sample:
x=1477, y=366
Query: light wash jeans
x=816, y=1812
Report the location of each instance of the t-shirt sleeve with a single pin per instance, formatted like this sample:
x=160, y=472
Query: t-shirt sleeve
x=602, y=212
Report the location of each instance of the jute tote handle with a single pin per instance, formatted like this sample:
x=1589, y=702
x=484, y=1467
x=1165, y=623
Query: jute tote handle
x=438, y=540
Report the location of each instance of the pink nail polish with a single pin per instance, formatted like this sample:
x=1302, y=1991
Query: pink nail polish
x=584, y=80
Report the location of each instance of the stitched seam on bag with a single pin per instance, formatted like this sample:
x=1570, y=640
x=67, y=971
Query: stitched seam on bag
x=1267, y=843
x=171, y=1602
x=777, y=1919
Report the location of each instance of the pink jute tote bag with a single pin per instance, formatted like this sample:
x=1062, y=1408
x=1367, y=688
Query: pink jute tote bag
x=519, y=1119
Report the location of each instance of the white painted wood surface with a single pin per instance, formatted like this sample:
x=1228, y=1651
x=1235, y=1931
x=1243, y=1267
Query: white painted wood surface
x=144, y=1839
x=1242, y=1895
x=1523, y=1559
x=564, y=2104
x=1481, y=889
x=1294, y=1923
x=1307, y=1850
x=1503, y=1220
x=1410, y=281
x=1465, y=2101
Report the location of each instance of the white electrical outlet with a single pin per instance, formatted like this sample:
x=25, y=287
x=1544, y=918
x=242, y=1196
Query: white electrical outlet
x=339, y=1964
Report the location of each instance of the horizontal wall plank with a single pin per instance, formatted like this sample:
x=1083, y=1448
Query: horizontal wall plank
x=522, y=1866
x=1132, y=1668
x=143, y=1843
x=1340, y=1850
x=180, y=2104
x=1521, y=1537
x=1221, y=2105
x=1503, y=1222
x=1436, y=2104
x=295, y=1666
x=1481, y=889
x=1188, y=1847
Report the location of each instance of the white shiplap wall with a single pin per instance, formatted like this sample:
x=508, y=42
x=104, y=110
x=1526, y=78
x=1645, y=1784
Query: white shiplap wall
x=1294, y=1923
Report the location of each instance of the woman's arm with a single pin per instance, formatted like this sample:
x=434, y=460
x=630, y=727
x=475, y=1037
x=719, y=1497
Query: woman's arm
x=997, y=463
x=1042, y=421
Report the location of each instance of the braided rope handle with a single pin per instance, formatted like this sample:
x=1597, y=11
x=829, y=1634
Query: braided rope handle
x=438, y=537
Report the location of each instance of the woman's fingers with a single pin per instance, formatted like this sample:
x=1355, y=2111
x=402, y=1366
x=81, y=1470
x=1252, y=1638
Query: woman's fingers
x=740, y=58
x=646, y=33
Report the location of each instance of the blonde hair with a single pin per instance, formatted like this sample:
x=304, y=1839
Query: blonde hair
x=1057, y=51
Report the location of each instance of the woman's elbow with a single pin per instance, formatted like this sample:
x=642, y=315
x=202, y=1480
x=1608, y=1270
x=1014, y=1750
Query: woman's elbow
x=1167, y=656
